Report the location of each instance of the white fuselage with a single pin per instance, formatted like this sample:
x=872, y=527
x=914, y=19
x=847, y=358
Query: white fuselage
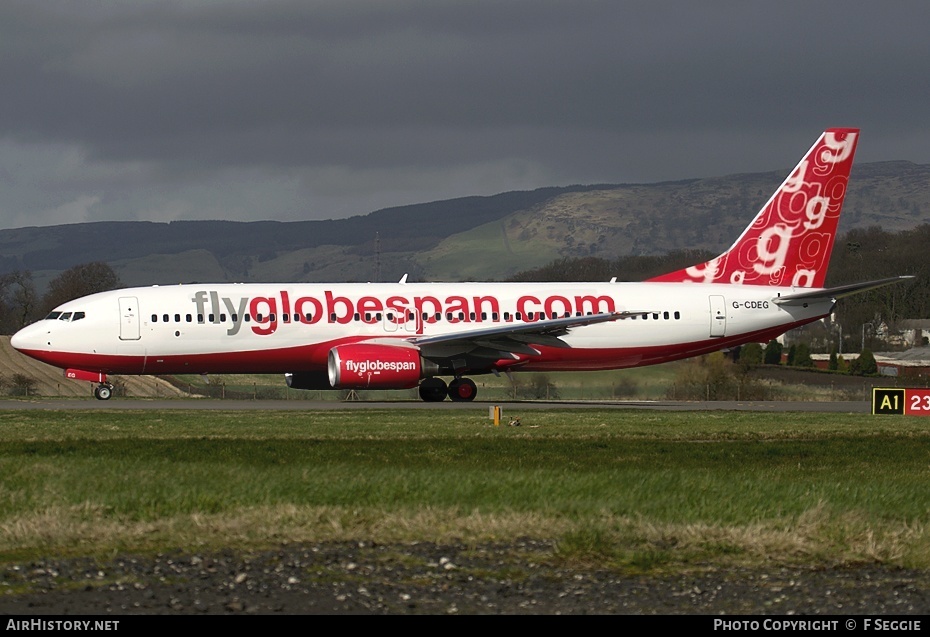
x=270, y=328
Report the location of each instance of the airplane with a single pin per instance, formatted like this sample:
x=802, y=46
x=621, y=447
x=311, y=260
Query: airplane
x=404, y=335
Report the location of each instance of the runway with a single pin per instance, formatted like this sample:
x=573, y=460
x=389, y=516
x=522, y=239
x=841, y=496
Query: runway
x=510, y=407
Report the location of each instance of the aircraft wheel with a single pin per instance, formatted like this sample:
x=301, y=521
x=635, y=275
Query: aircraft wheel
x=463, y=390
x=433, y=390
x=103, y=392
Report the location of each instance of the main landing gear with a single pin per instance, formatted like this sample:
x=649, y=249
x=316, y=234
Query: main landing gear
x=434, y=390
x=103, y=391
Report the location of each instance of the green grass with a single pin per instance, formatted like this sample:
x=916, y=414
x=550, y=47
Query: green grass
x=638, y=489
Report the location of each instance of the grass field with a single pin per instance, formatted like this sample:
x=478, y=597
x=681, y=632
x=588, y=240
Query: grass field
x=633, y=489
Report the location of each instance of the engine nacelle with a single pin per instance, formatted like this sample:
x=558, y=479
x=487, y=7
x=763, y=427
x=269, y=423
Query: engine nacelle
x=372, y=366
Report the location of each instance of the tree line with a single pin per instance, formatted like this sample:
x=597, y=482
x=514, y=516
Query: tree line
x=21, y=304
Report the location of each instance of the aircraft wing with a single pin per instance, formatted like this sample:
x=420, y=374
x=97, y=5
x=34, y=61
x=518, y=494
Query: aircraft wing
x=828, y=294
x=506, y=341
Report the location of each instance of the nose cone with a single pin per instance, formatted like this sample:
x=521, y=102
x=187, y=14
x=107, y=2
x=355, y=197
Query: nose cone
x=28, y=338
x=17, y=341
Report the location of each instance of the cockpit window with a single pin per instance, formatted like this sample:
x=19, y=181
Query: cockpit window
x=65, y=316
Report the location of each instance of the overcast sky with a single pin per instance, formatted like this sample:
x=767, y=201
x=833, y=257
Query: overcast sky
x=315, y=109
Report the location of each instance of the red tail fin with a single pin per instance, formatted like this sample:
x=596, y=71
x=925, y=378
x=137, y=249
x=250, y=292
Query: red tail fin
x=790, y=240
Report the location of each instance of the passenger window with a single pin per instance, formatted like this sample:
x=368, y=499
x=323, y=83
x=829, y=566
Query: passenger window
x=177, y=318
x=154, y=318
x=165, y=318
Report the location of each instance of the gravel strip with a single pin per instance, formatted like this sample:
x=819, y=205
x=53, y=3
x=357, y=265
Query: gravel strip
x=424, y=578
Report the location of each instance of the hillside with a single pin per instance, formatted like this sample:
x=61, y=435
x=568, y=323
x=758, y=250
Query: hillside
x=467, y=238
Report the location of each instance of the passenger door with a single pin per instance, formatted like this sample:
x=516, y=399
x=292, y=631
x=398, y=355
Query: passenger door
x=129, y=318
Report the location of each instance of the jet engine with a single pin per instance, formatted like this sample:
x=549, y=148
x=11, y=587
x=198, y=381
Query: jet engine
x=374, y=366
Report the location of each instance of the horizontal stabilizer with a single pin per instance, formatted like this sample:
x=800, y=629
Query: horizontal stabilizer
x=832, y=294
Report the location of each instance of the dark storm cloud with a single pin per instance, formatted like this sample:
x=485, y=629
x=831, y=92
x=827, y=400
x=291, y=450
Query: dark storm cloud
x=304, y=109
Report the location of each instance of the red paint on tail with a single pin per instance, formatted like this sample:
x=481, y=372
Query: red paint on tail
x=790, y=240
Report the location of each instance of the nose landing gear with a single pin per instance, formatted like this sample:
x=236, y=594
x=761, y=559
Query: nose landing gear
x=103, y=391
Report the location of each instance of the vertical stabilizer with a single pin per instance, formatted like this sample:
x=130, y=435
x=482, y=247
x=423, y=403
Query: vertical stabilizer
x=790, y=240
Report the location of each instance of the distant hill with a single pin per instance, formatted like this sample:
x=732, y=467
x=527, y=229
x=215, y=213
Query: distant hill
x=458, y=239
